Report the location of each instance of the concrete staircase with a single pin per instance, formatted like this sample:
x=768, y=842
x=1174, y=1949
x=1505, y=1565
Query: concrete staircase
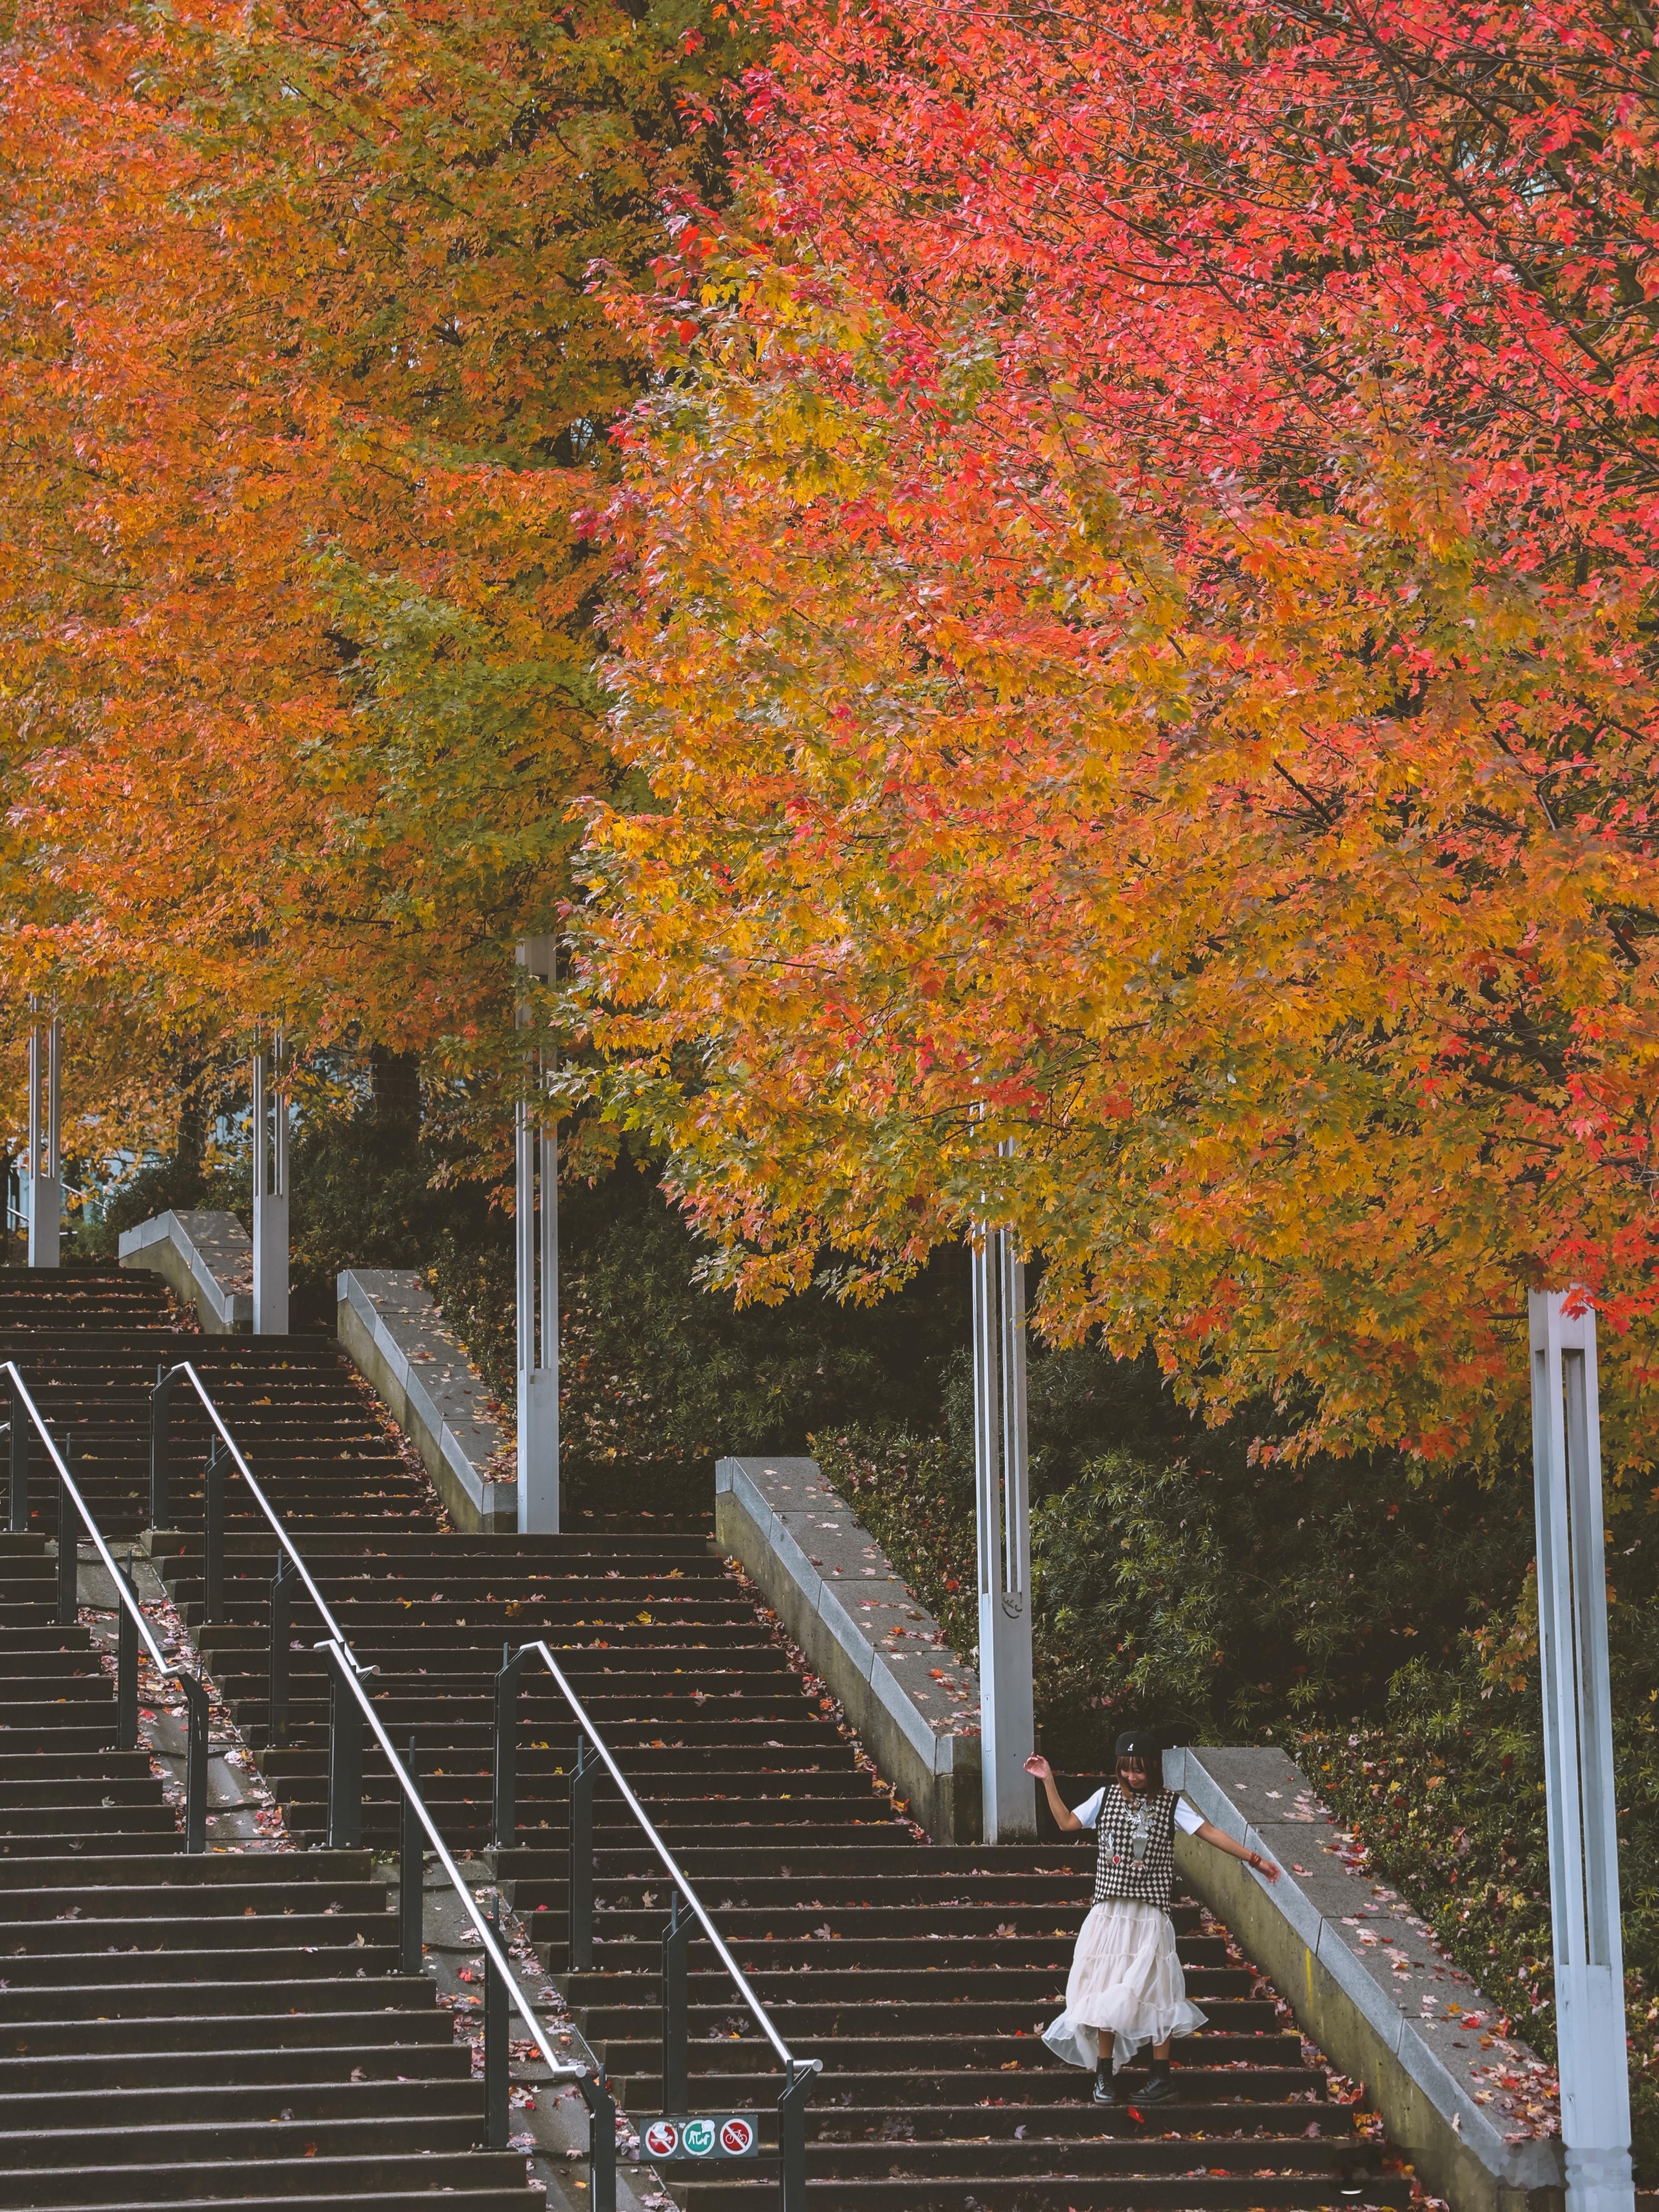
x=227, y=2029
x=921, y=1975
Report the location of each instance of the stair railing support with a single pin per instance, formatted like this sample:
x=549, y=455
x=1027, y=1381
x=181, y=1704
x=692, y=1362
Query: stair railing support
x=345, y=1761
x=281, y=1637
x=582, y=1780
x=213, y=1535
x=161, y=1415
x=506, y=1820
x=1002, y=1495
x=497, y=2051
x=197, y=1709
x=1579, y=1801
x=675, y=2007
x=411, y=1880
x=126, y=1668
x=20, y=1462
x=792, y=2139
x=602, y=2140
x=68, y=1554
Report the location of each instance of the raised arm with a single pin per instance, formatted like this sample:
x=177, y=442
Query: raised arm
x=1065, y=1819
x=1211, y=1834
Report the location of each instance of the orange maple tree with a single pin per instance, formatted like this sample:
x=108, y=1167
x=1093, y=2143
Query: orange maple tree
x=303, y=384
x=1137, y=618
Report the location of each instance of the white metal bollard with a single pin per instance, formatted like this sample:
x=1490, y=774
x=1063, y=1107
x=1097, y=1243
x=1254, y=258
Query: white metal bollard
x=536, y=1227
x=1007, y=1720
x=270, y=1196
x=1578, y=1779
x=45, y=1175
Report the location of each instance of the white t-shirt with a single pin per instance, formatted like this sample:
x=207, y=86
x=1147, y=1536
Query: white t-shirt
x=1186, y=1820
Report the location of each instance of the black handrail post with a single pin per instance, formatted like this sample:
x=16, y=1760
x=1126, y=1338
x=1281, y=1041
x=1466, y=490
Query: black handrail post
x=126, y=1668
x=676, y=2031
x=213, y=1535
x=602, y=2140
x=345, y=1761
x=196, y=1708
x=282, y=1631
x=581, y=1859
x=497, y=2051
x=507, y=1748
x=412, y=1877
x=161, y=1403
x=20, y=1462
x=792, y=2139
x=69, y=1553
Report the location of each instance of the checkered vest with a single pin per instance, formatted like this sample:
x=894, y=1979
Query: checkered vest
x=1118, y=1872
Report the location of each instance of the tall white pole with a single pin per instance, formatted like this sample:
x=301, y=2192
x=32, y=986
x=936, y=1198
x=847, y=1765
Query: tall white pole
x=536, y=1165
x=269, y=1194
x=1002, y=1497
x=45, y=1162
x=1578, y=1780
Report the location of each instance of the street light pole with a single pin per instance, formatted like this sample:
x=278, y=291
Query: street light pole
x=1002, y=1497
x=535, y=1159
x=46, y=1161
x=1578, y=1778
x=269, y=1194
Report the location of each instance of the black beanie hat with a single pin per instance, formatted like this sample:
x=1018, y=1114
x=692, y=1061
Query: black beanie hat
x=1137, y=1743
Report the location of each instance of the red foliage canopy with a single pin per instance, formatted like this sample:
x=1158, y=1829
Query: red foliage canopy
x=1141, y=639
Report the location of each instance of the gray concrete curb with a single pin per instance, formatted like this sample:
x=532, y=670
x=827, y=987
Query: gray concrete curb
x=418, y=1369
x=1366, y=1982
x=911, y=1701
x=206, y=1257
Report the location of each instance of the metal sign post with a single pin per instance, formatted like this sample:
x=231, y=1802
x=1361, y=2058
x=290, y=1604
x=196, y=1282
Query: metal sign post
x=1003, y=1511
x=269, y=1194
x=44, y=1172
x=1578, y=1782
x=537, y=1225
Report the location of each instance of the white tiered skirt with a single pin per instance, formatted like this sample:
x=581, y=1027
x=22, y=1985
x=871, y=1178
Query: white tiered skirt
x=1126, y=1980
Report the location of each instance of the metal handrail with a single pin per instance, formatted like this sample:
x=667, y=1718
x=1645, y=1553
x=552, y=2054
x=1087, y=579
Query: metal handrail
x=337, y=1634
x=567, y=2070
x=195, y=1695
x=670, y=1864
x=595, y=2089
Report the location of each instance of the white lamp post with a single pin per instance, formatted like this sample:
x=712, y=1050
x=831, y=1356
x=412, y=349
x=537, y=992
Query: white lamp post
x=1002, y=1497
x=536, y=1227
x=1578, y=1780
x=269, y=1194
x=44, y=1171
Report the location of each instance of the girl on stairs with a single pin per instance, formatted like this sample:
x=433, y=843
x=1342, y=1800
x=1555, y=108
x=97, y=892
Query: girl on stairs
x=1126, y=1980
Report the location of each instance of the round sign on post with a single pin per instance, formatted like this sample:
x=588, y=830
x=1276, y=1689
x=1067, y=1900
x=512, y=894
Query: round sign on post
x=662, y=2139
x=698, y=2138
x=737, y=2137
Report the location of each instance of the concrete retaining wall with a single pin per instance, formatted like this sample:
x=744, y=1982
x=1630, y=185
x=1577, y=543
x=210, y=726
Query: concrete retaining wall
x=419, y=1371
x=915, y=1707
x=206, y=1257
x=1366, y=1981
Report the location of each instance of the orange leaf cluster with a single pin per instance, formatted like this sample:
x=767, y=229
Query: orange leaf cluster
x=303, y=388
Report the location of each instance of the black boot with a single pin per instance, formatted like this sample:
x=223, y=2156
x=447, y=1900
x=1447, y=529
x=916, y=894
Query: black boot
x=1104, y=2093
x=1158, y=2084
